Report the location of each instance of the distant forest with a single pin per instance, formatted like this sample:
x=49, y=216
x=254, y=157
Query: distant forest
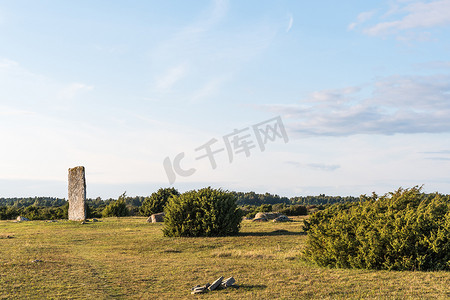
x=252, y=198
x=248, y=198
x=50, y=208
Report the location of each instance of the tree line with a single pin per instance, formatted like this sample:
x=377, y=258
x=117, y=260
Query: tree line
x=46, y=208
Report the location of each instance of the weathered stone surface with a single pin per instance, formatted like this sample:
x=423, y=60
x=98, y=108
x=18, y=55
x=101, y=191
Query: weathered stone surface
x=228, y=282
x=282, y=218
x=219, y=283
x=215, y=284
x=259, y=219
x=200, y=289
x=77, y=194
x=267, y=215
x=21, y=219
x=159, y=217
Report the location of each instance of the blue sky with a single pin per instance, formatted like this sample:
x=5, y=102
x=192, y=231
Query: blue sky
x=362, y=89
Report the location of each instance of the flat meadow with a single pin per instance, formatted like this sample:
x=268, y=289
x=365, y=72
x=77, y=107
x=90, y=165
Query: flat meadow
x=127, y=258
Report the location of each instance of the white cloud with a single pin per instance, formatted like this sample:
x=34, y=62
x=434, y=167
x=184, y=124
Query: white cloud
x=361, y=18
x=407, y=15
x=398, y=104
x=290, y=23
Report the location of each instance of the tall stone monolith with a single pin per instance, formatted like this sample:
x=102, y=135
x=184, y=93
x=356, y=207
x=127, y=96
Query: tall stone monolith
x=77, y=194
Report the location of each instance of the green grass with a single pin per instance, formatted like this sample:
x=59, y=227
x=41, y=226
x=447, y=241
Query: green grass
x=129, y=258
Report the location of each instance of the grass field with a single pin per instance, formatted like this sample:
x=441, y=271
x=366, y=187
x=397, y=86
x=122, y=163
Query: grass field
x=129, y=258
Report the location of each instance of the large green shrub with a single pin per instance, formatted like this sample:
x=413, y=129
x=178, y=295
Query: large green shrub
x=403, y=230
x=117, y=208
x=206, y=212
x=156, y=202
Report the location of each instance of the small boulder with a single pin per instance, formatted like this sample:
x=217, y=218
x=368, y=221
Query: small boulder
x=155, y=218
x=22, y=219
x=282, y=218
x=228, y=282
x=263, y=219
x=267, y=215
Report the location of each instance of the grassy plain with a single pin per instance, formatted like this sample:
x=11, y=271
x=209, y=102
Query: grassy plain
x=128, y=258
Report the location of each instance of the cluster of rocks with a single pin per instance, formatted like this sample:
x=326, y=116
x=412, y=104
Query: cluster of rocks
x=22, y=219
x=155, y=218
x=219, y=283
x=274, y=216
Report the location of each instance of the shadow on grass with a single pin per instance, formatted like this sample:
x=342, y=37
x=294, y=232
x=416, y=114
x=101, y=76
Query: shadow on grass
x=271, y=233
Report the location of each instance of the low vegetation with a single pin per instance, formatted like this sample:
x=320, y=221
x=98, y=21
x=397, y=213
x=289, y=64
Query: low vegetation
x=403, y=230
x=117, y=208
x=127, y=258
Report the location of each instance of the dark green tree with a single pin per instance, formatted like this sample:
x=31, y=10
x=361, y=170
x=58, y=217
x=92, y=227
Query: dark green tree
x=117, y=208
x=206, y=212
x=156, y=202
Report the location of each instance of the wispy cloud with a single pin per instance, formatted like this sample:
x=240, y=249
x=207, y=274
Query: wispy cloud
x=404, y=16
x=398, y=104
x=361, y=18
x=439, y=158
x=171, y=77
x=437, y=152
x=25, y=90
x=438, y=155
x=209, y=89
x=290, y=23
x=314, y=166
x=73, y=89
x=196, y=60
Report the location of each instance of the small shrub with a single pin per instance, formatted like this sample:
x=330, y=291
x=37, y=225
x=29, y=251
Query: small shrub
x=117, y=208
x=294, y=210
x=206, y=212
x=156, y=202
x=403, y=230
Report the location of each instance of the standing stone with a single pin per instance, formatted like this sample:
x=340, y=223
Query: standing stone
x=77, y=194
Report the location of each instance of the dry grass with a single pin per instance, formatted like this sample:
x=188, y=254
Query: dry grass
x=129, y=258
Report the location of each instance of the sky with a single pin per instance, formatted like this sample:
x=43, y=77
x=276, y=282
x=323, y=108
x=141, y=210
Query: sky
x=293, y=98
